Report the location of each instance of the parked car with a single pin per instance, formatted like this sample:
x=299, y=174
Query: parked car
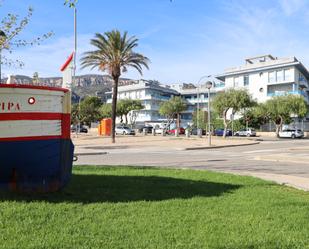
x=219, y=132
x=173, y=131
x=81, y=129
x=194, y=131
x=291, y=133
x=148, y=129
x=160, y=130
x=124, y=130
x=246, y=132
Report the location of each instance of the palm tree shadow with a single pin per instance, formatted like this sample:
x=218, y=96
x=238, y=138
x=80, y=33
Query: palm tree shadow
x=110, y=188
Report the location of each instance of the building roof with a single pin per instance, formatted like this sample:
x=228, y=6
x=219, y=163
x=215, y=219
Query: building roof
x=144, y=84
x=256, y=65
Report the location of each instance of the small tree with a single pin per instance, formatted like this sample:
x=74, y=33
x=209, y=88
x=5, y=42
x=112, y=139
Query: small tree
x=124, y=108
x=10, y=28
x=232, y=100
x=136, y=106
x=172, y=108
x=75, y=114
x=199, y=119
x=90, y=110
x=280, y=109
x=251, y=119
x=106, y=110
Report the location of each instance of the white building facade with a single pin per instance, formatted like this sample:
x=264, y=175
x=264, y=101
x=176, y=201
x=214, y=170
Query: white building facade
x=267, y=76
x=264, y=77
x=151, y=94
x=196, y=97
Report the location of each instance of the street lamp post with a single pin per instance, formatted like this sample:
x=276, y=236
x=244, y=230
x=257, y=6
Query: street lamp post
x=198, y=110
x=199, y=131
x=209, y=85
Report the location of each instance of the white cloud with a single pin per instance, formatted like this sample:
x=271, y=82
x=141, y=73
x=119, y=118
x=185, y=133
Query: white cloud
x=291, y=7
x=47, y=58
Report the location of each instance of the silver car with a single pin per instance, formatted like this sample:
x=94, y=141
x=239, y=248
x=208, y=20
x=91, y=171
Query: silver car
x=291, y=133
x=124, y=130
x=246, y=132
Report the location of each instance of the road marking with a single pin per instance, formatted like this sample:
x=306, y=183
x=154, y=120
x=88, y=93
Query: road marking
x=260, y=151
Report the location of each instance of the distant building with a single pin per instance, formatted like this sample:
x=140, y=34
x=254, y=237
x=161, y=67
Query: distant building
x=151, y=94
x=267, y=76
x=196, y=97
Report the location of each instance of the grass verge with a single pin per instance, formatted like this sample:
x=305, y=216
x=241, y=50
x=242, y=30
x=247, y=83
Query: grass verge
x=121, y=207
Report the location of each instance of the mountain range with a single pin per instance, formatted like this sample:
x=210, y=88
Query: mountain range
x=85, y=85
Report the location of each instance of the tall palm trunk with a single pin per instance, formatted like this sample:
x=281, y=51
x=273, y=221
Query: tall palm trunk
x=114, y=106
x=178, y=122
x=278, y=124
x=225, y=122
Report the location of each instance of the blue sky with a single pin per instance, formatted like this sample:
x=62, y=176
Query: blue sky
x=184, y=40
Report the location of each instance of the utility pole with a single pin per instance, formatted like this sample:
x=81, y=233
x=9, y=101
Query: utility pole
x=209, y=85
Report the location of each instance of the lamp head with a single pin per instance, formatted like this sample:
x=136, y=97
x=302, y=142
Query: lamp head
x=209, y=84
x=2, y=34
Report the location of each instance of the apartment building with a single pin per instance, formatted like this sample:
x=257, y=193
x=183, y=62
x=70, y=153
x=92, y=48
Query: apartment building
x=196, y=97
x=151, y=94
x=264, y=77
x=267, y=76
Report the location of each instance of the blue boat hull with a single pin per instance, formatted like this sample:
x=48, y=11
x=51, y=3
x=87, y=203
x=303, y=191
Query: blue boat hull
x=36, y=165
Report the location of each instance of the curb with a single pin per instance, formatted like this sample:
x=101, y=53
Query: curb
x=219, y=147
x=90, y=153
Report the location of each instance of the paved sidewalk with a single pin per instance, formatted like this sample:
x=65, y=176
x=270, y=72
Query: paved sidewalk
x=298, y=182
x=92, y=144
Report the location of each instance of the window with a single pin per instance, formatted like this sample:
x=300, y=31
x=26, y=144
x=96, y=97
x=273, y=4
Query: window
x=279, y=75
x=236, y=81
x=271, y=77
x=246, y=80
x=287, y=74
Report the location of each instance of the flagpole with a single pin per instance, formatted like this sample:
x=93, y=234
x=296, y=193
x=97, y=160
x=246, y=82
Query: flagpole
x=75, y=47
x=74, y=66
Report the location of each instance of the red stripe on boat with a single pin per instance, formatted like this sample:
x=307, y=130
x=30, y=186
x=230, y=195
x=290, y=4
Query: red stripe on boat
x=15, y=139
x=31, y=116
x=66, y=126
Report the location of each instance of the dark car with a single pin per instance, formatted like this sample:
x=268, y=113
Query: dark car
x=148, y=129
x=219, y=132
x=194, y=131
x=81, y=129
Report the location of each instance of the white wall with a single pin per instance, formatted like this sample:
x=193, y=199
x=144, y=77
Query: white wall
x=258, y=83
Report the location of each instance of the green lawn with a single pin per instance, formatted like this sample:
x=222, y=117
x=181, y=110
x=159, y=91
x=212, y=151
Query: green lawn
x=106, y=207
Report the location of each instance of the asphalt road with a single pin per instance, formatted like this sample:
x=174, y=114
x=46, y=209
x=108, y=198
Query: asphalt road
x=284, y=157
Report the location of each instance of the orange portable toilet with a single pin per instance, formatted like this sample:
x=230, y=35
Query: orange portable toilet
x=106, y=126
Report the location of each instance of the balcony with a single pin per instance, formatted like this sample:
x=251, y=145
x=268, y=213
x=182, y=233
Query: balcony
x=197, y=100
x=302, y=82
x=156, y=96
x=221, y=84
x=282, y=93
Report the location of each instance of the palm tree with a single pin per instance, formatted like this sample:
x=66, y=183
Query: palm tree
x=114, y=54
